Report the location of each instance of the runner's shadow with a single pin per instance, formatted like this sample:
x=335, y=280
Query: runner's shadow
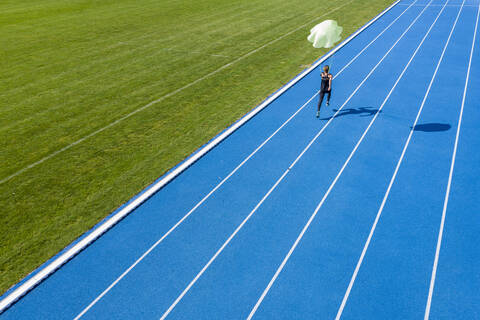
x=432, y=127
x=362, y=112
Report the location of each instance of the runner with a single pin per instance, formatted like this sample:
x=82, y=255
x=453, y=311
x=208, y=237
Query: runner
x=326, y=87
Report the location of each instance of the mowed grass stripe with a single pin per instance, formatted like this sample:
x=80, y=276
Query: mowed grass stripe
x=128, y=55
x=47, y=207
x=176, y=37
x=91, y=106
x=90, y=72
x=91, y=68
x=104, y=49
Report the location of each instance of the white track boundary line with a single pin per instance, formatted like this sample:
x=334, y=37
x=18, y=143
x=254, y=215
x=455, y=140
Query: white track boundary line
x=450, y=176
x=394, y=176
x=225, y=66
x=179, y=298
x=229, y=175
x=74, y=250
x=322, y=201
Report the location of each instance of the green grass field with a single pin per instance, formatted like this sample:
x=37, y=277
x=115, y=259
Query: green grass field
x=72, y=67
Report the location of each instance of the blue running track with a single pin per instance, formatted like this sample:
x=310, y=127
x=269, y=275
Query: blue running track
x=371, y=211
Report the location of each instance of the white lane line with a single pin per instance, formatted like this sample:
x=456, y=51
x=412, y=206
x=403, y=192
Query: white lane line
x=69, y=254
x=322, y=201
x=172, y=306
x=230, y=175
x=441, y=5
x=225, y=66
x=447, y=194
x=394, y=176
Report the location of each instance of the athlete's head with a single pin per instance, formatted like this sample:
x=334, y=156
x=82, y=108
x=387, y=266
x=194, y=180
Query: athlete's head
x=326, y=68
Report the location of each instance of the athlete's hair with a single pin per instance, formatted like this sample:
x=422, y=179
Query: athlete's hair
x=326, y=68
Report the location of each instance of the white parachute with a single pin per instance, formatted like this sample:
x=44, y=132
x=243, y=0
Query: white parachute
x=325, y=34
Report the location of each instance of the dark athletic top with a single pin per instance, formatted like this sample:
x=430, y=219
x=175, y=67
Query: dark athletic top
x=325, y=80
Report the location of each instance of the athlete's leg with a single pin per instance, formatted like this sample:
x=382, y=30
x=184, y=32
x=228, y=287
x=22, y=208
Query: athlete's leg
x=329, y=93
x=320, y=100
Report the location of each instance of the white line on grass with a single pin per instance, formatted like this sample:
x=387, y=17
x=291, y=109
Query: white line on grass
x=322, y=201
x=194, y=52
x=447, y=193
x=168, y=95
x=230, y=175
x=392, y=180
x=172, y=306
